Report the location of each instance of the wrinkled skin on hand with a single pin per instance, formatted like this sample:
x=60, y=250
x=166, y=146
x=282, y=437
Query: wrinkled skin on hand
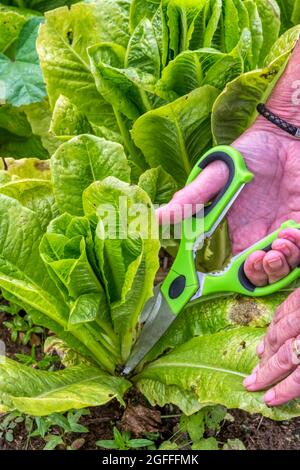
x=280, y=367
x=271, y=198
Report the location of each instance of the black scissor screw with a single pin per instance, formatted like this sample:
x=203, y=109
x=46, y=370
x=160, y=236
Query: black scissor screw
x=177, y=287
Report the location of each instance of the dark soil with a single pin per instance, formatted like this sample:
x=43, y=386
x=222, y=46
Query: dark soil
x=12, y=348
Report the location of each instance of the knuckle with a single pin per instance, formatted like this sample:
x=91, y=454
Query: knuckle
x=291, y=322
x=283, y=357
x=272, y=337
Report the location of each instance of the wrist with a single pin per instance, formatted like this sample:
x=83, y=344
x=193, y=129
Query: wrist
x=263, y=124
x=285, y=98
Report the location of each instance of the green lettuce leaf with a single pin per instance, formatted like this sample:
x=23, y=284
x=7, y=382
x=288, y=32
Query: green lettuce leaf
x=67, y=258
x=174, y=135
x=62, y=45
x=11, y=22
x=112, y=20
x=24, y=131
x=235, y=108
x=79, y=162
x=213, y=16
x=237, y=103
x=283, y=47
x=286, y=13
x=24, y=275
x=296, y=13
x=182, y=15
x=129, y=263
x=68, y=121
x=39, y=5
x=22, y=271
x=256, y=29
x=21, y=76
x=270, y=17
x=142, y=51
x=213, y=378
x=216, y=314
x=123, y=81
x=141, y=9
x=41, y=393
x=192, y=69
x=231, y=25
x=39, y=117
x=14, y=121
x=36, y=195
x=158, y=184
x=67, y=250
x=27, y=168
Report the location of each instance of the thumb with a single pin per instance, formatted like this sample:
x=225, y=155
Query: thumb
x=207, y=185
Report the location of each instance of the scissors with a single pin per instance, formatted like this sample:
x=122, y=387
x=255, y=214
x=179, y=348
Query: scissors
x=184, y=283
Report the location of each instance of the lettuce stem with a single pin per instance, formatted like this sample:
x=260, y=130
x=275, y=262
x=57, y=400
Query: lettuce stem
x=100, y=354
x=145, y=100
x=129, y=145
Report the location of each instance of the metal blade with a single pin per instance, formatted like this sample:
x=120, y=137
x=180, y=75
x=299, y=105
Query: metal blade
x=152, y=306
x=153, y=330
x=224, y=213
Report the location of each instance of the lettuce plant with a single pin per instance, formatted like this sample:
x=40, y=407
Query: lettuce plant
x=159, y=76
x=58, y=261
x=137, y=90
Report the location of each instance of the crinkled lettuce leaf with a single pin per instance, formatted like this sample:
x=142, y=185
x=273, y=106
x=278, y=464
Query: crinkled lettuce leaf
x=41, y=393
x=174, y=135
x=81, y=161
x=211, y=378
x=235, y=108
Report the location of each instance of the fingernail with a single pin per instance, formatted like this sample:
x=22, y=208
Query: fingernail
x=269, y=396
x=250, y=380
x=275, y=263
x=260, y=348
x=258, y=266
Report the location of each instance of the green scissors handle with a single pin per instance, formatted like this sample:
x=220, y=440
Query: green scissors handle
x=182, y=281
x=233, y=279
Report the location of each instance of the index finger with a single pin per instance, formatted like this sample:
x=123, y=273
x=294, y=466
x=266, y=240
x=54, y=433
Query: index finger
x=204, y=188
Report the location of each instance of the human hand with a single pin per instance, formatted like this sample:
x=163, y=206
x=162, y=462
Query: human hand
x=280, y=356
x=271, y=198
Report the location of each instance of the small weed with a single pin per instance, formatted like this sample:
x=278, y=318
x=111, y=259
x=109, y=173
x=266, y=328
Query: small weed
x=55, y=429
x=48, y=362
x=123, y=441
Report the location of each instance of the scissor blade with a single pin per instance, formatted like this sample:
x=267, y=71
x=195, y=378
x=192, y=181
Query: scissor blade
x=224, y=213
x=153, y=330
x=152, y=306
